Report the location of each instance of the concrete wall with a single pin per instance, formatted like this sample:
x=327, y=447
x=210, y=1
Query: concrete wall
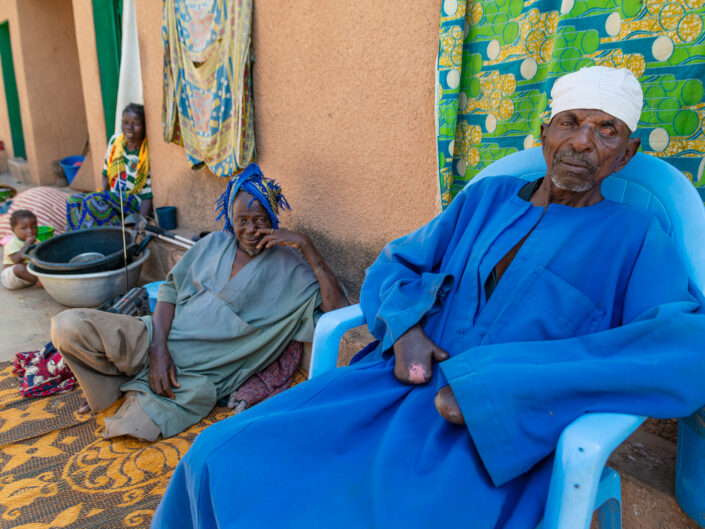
x=344, y=118
x=53, y=114
x=45, y=56
x=88, y=177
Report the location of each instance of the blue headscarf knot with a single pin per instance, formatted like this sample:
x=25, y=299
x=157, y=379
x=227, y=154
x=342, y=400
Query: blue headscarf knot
x=251, y=181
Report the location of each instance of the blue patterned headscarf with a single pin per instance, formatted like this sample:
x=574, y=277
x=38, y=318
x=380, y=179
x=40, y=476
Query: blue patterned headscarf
x=251, y=181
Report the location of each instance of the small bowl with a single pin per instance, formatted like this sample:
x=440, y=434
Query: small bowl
x=6, y=192
x=45, y=232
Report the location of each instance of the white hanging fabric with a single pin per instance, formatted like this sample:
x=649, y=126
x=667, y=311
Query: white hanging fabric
x=130, y=84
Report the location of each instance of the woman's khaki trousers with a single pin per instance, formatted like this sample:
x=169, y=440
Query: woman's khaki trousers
x=104, y=351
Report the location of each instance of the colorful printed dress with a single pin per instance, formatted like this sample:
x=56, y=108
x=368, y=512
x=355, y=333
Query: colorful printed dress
x=127, y=171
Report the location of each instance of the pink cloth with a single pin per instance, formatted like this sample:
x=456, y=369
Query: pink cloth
x=47, y=203
x=273, y=379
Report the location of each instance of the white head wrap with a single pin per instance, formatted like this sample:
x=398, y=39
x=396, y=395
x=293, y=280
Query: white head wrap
x=612, y=90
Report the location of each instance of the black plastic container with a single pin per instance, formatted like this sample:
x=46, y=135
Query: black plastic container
x=53, y=255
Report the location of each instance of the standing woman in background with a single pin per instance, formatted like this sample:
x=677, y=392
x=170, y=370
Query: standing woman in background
x=126, y=170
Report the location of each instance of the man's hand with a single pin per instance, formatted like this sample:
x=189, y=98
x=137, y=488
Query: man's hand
x=162, y=371
x=282, y=237
x=413, y=356
x=332, y=296
x=447, y=406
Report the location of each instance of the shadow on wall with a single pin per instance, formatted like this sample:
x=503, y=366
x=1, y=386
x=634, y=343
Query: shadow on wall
x=347, y=259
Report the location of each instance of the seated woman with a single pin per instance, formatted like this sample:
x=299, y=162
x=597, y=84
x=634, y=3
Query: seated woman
x=126, y=179
x=227, y=311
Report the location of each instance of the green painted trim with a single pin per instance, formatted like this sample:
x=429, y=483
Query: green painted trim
x=13, y=100
x=107, y=19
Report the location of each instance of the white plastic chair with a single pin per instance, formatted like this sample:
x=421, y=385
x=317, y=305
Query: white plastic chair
x=580, y=483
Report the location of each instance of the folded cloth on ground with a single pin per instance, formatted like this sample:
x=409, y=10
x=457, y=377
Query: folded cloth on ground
x=43, y=372
x=273, y=379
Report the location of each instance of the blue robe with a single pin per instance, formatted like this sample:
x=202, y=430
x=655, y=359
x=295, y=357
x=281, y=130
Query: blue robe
x=595, y=313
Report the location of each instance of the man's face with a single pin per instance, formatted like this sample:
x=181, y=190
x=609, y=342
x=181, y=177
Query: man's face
x=248, y=221
x=583, y=147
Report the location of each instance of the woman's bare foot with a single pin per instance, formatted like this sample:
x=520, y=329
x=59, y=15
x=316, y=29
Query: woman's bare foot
x=85, y=407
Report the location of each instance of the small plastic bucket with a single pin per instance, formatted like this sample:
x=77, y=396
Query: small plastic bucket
x=71, y=165
x=6, y=192
x=166, y=216
x=152, y=291
x=45, y=232
x=690, y=466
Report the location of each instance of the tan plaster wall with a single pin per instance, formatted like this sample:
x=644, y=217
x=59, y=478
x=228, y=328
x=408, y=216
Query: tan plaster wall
x=49, y=84
x=344, y=117
x=88, y=177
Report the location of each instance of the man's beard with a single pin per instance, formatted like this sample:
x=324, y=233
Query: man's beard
x=252, y=252
x=574, y=185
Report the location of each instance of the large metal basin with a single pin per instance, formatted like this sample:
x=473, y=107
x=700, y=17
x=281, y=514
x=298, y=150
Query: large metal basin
x=57, y=255
x=89, y=290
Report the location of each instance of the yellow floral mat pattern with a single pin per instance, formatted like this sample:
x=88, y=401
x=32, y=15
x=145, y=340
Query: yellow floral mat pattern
x=56, y=471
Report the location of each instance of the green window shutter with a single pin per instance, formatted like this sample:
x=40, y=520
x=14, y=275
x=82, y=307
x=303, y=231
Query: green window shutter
x=13, y=100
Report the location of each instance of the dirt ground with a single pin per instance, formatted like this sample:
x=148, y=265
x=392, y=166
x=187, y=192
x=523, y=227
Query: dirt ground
x=24, y=314
x=24, y=319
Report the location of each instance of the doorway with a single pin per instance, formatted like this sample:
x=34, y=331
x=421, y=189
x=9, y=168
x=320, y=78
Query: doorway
x=13, y=100
x=107, y=18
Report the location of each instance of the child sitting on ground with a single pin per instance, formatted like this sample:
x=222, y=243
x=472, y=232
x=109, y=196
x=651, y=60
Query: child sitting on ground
x=24, y=232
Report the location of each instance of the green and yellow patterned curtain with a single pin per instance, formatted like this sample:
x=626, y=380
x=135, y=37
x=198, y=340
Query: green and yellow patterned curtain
x=498, y=60
x=208, y=106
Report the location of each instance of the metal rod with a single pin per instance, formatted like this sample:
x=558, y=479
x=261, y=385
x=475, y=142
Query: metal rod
x=175, y=242
x=122, y=225
x=171, y=235
x=183, y=239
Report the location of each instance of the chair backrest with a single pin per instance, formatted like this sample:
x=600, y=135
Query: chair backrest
x=646, y=182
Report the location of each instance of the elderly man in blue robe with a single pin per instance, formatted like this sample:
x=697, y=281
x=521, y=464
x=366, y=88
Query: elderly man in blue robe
x=227, y=311
x=516, y=310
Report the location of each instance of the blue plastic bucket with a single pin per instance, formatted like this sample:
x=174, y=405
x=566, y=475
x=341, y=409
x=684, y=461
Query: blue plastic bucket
x=166, y=217
x=71, y=165
x=152, y=291
x=690, y=466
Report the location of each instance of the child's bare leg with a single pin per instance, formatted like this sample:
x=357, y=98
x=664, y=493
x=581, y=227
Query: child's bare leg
x=21, y=271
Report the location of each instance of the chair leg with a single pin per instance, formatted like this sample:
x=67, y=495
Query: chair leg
x=609, y=501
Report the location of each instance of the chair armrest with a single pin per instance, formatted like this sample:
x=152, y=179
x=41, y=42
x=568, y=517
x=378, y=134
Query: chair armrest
x=326, y=338
x=581, y=454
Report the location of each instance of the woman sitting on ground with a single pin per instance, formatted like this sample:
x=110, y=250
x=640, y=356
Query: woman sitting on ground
x=126, y=169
